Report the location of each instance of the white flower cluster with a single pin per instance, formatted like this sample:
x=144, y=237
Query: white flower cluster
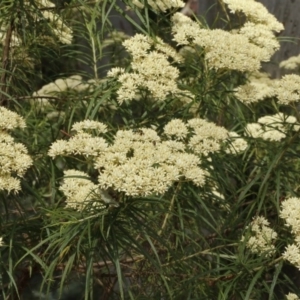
x=272, y=128
x=138, y=4
x=163, y=5
x=184, y=29
x=254, y=12
x=82, y=143
x=176, y=128
x=10, y=120
x=236, y=144
x=262, y=237
x=160, y=5
x=208, y=137
x=292, y=63
x=242, y=49
x=226, y=50
x=290, y=212
x=262, y=36
x=222, y=49
x=14, y=158
x=292, y=254
x=60, y=29
x=259, y=87
x=58, y=26
x=287, y=89
x=89, y=125
x=140, y=162
x=58, y=86
x=78, y=189
x=291, y=296
x=151, y=69
x=62, y=84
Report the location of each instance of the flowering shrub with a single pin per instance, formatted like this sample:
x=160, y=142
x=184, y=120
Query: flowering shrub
x=14, y=158
x=174, y=176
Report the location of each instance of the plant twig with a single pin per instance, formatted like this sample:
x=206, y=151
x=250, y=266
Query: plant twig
x=169, y=210
x=5, y=59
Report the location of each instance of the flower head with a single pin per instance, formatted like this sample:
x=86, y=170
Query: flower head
x=10, y=120
x=14, y=158
x=78, y=189
x=151, y=69
x=254, y=12
x=262, y=237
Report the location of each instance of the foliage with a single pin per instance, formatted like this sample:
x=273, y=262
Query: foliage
x=178, y=100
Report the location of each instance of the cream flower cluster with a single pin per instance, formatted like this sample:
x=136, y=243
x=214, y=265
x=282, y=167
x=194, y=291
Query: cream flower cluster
x=291, y=296
x=292, y=254
x=207, y=138
x=226, y=50
x=223, y=50
x=262, y=36
x=160, y=5
x=151, y=69
x=287, y=89
x=242, y=49
x=14, y=158
x=140, y=162
x=272, y=128
x=255, y=12
x=163, y=5
x=82, y=143
x=60, y=85
x=259, y=87
x=59, y=28
x=78, y=189
x=236, y=144
x=292, y=63
x=290, y=212
x=184, y=29
x=254, y=91
x=10, y=120
x=259, y=27
x=89, y=125
x=81, y=192
x=262, y=237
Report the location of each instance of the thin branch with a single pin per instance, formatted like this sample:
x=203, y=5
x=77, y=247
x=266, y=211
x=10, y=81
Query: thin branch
x=5, y=59
x=169, y=211
x=37, y=97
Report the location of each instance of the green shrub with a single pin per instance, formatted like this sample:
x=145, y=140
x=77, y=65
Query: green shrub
x=162, y=165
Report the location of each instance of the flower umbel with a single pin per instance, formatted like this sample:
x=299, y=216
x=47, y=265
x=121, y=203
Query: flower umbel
x=140, y=162
x=263, y=237
x=78, y=189
x=151, y=70
x=14, y=158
